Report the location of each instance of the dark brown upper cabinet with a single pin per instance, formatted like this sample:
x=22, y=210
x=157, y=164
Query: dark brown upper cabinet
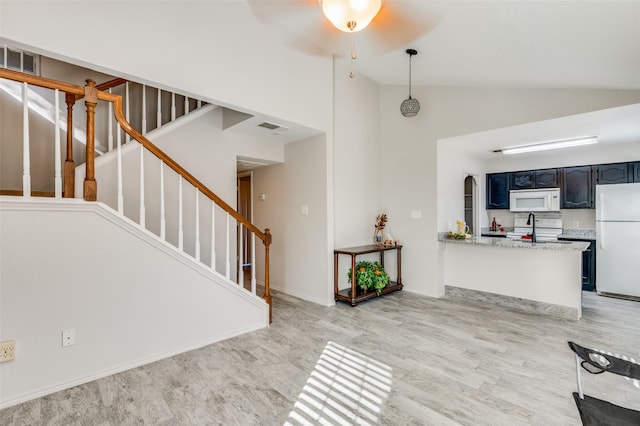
x=614, y=173
x=523, y=180
x=547, y=178
x=498, y=191
x=577, y=187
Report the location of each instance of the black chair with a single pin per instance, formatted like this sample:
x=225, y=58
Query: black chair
x=594, y=411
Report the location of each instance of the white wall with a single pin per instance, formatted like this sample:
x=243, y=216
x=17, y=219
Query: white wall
x=357, y=164
x=451, y=178
x=207, y=54
x=410, y=180
x=198, y=143
x=217, y=50
x=128, y=307
x=357, y=159
x=300, y=251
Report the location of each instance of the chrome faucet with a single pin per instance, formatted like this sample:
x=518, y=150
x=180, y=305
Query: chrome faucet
x=533, y=232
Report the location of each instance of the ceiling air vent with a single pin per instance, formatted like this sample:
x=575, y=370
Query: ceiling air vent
x=272, y=126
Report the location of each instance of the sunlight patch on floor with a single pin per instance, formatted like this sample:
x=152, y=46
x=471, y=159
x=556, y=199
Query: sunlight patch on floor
x=345, y=388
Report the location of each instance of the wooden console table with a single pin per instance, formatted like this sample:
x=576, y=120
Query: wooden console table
x=354, y=295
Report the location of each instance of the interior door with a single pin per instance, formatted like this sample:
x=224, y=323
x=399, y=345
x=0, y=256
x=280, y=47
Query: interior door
x=244, y=208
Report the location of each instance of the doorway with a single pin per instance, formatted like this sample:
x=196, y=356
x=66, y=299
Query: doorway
x=245, y=208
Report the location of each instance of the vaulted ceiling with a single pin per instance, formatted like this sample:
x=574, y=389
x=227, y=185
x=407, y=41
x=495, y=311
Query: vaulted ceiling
x=527, y=43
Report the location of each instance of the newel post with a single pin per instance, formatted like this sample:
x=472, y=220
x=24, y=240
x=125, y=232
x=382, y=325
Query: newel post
x=267, y=294
x=69, y=165
x=90, y=100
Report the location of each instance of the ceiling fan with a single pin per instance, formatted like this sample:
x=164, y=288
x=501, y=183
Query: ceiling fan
x=308, y=25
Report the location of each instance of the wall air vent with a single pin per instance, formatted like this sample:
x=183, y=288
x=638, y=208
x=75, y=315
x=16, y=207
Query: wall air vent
x=272, y=126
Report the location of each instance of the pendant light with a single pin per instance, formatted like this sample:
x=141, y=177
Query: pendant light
x=410, y=106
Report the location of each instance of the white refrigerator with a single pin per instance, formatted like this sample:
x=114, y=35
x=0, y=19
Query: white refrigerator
x=618, y=239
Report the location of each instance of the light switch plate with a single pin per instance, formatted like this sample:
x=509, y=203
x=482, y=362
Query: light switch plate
x=416, y=214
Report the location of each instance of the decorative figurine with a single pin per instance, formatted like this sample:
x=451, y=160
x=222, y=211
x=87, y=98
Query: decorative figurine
x=381, y=221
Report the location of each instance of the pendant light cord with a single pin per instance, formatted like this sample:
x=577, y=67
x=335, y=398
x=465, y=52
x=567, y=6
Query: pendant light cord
x=410, y=56
x=410, y=106
x=353, y=54
x=410, y=52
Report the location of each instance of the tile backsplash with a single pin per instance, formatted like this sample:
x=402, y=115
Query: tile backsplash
x=571, y=218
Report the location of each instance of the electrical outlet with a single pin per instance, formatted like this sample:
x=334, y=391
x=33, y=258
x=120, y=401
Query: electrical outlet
x=69, y=337
x=7, y=350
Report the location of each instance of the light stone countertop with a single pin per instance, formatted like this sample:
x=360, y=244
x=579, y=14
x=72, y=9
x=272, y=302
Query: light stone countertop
x=519, y=244
x=585, y=234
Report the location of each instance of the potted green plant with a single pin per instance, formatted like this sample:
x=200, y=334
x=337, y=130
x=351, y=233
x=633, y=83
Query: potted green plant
x=370, y=275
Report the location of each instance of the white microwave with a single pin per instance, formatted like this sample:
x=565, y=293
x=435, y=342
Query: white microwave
x=535, y=200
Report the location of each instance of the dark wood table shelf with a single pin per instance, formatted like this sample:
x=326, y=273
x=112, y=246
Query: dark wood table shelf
x=354, y=295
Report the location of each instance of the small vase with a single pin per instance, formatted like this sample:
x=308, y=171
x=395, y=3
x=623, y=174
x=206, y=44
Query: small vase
x=377, y=236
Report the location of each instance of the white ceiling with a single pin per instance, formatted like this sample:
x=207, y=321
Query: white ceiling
x=480, y=43
x=515, y=43
x=611, y=126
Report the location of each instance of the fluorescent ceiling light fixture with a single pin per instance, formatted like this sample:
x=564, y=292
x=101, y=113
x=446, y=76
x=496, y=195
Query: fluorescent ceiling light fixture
x=567, y=143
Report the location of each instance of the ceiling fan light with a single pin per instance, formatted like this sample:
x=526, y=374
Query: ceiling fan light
x=350, y=15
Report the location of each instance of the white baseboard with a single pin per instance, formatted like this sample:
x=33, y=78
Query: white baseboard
x=124, y=367
x=298, y=294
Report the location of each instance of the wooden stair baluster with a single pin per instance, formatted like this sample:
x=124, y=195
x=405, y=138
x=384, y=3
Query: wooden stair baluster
x=92, y=94
x=90, y=100
x=69, y=164
x=267, y=293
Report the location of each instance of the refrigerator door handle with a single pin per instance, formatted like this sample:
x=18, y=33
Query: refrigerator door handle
x=601, y=207
x=600, y=234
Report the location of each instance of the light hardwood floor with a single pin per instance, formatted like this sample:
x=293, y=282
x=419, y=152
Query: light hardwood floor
x=399, y=360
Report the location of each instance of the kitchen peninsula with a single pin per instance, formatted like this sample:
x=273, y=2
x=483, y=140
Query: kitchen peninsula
x=543, y=277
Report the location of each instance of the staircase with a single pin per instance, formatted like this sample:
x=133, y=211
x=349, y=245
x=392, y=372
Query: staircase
x=124, y=246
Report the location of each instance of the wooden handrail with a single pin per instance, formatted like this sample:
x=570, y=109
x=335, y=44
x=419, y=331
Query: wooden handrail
x=106, y=86
x=72, y=92
x=54, y=84
x=41, y=81
x=111, y=83
x=92, y=94
x=264, y=236
x=117, y=102
x=124, y=124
